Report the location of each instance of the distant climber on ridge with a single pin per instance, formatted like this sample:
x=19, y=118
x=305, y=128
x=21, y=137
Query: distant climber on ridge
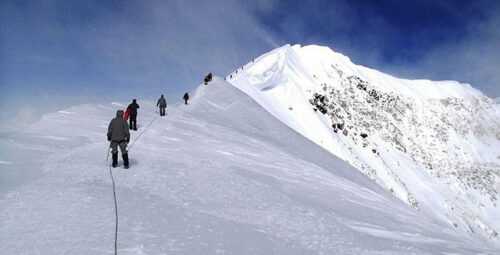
x=119, y=135
x=186, y=98
x=162, y=104
x=132, y=108
x=208, y=78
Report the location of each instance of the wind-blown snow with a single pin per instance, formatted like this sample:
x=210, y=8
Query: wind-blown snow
x=220, y=176
x=434, y=145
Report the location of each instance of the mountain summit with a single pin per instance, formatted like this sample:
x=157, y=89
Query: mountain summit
x=433, y=144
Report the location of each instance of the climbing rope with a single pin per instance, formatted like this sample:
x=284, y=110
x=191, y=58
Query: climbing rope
x=142, y=132
x=116, y=202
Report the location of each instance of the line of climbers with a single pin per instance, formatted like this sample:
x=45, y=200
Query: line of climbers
x=233, y=74
x=119, y=130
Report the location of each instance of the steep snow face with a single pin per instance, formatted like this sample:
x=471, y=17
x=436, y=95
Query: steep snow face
x=434, y=145
x=219, y=176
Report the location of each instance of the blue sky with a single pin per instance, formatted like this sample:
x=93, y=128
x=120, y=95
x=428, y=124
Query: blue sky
x=56, y=53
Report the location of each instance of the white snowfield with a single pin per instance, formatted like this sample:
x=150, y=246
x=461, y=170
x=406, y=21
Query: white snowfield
x=434, y=145
x=223, y=175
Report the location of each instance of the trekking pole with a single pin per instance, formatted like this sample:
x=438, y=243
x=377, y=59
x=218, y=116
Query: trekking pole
x=107, y=155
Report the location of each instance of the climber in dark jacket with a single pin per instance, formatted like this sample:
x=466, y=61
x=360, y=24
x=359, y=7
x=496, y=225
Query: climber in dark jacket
x=186, y=98
x=208, y=78
x=119, y=135
x=133, y=114
x=162, y=103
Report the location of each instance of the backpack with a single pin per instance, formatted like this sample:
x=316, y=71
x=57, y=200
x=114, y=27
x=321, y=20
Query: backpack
x=126, y=115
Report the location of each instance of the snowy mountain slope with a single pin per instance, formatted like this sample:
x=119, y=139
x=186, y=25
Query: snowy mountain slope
x=434, y=145
x=220, y=176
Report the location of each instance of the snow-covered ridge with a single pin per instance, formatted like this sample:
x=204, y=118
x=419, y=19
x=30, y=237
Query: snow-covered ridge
x=434, y=144
x=219, y=176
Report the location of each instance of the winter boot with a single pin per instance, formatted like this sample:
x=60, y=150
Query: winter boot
x=115, y=159
x=125, y=160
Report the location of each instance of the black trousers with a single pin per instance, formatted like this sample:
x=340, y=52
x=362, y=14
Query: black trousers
x=133, y=122
x=162, y=111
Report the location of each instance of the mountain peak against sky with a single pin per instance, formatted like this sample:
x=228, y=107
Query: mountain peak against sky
x=378, y=132
x=317, y=57
x=433, y=144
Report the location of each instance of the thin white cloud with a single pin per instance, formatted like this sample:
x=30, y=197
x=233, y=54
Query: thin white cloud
x=135, y=49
